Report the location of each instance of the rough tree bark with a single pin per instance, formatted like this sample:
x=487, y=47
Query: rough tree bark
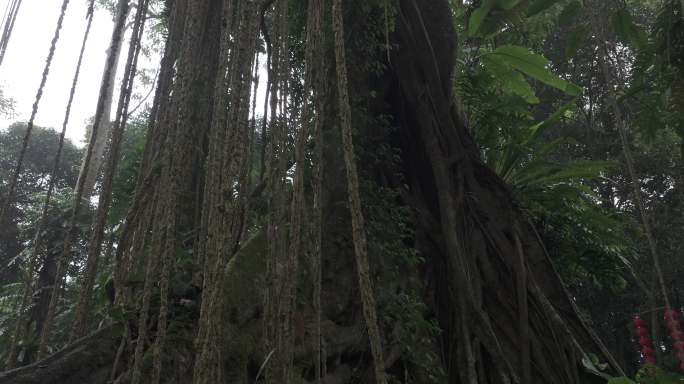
x=65, y=256
x=480, y=234
x=504, y=313
x=357, y=218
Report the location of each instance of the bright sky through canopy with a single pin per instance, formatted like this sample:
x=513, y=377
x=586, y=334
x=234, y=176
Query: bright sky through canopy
x=21, y=70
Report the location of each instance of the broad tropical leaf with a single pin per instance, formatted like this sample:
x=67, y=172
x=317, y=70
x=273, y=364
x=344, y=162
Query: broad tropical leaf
x=627, y=30
x=539, y=6
x=478, y=16
x=532, y=65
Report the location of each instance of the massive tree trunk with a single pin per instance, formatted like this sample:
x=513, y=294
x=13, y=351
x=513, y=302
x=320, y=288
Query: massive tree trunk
x=504, y=311
x=505, y=315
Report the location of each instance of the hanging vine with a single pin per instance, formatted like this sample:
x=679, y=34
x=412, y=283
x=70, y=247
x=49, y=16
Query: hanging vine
x=358, y=226
x=19, y=326
x=8, y=26
x=76, y=204
x=320, y=93
x=97, y=238
x=9, y=199
x=298, y=204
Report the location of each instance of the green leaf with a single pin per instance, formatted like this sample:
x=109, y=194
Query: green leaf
x=620, y=380
x=507, y=4
x=517, y=84
x=514, y=154
x=539, y=6
x=511, y=80
x=627, y=30
x=478, y=17
x=569, y=12
x=591, y=368
x=532, y=65
x=542, y=173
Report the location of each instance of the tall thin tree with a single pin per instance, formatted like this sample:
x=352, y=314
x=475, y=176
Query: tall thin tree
x=97, y=237
x=358, y=226
x=102, y=132
x=298, y=204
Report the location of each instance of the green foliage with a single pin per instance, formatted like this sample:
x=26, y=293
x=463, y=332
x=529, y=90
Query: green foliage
x=538, y=6
x=620, y=380
x=589, y=243
x=627, y=30
x=562, y=158
x=574, y=40
x=6, y=105
x=650, y=374
x=19, y=226
x=532, y=65
x=410, y=324
x=570, y=12
x=478, y=16
x=510, y=78
x=133, y=146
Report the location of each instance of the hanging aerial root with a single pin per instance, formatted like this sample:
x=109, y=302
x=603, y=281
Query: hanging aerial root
x=320, y=93
x=9, y=199
x=298, y=205
x=276, y=201
x=358, y=226
x=65, y=255
x=19, y=328
x=226, y=190
x=11, y=16
x=95, y=245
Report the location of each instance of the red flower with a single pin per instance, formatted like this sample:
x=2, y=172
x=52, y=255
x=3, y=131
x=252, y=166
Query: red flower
x=672, y=324
x=638, y=322
x=647, y=351
x=670, y=314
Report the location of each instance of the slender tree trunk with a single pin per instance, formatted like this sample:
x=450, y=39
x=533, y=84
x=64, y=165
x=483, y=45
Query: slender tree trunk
x=65, y=256
x=96, y=241
x=358, y=225
x=90, y=171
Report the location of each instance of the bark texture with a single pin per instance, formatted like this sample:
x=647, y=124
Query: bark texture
x=485, y=248
x=357, y=219
x=504, y=314
x=65, y=256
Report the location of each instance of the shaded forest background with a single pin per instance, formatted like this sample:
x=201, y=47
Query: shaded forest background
x=577, y=106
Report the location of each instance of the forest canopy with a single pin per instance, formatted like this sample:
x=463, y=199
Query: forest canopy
x=359, y=191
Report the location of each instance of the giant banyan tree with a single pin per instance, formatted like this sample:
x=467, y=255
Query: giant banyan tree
x=350, y=235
